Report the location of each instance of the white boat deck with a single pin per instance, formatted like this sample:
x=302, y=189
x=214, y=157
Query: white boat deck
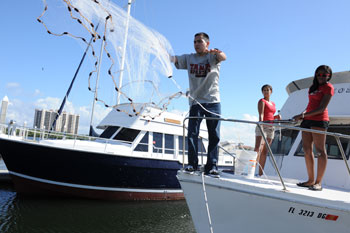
x=330, y=197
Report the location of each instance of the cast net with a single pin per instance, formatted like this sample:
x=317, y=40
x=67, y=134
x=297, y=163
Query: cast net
x=144, y=80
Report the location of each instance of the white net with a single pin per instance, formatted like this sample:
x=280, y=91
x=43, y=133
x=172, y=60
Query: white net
x=147, y=64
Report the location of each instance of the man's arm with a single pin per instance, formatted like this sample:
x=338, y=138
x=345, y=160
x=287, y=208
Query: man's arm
x=220, y=55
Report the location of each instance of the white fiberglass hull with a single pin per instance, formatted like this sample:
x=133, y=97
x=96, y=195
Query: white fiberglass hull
x=249, y=207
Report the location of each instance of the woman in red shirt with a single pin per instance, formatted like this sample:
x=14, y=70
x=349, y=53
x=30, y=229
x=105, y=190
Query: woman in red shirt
x=266, y=110
x=316, y=117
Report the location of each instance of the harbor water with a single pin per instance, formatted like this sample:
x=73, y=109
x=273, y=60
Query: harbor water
x=58, y=215
x=24, y=214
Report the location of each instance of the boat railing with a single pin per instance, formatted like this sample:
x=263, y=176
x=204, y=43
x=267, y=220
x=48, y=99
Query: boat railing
x=278, y=124
x=39, y=135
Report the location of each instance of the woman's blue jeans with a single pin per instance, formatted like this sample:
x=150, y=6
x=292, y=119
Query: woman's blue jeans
x=213, y=134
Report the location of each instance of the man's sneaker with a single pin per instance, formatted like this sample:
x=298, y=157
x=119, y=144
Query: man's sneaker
x=189, y=169
x=214, y=172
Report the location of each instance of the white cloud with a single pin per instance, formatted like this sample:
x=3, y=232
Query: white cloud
x=12, y=85
x=20, y=112
x=249, y=117
x=14, y=88
x=37, y=92
x=85, y=116
x=48, y=103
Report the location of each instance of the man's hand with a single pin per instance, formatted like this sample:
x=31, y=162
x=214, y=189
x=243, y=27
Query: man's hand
x=215, y=51
x=220, y=55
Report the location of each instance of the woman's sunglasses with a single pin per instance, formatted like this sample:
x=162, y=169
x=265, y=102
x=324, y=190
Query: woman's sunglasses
x=323, y=75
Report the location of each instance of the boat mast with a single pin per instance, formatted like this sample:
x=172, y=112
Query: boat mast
x=96, y=87
x=122, y=64
x=91, y=130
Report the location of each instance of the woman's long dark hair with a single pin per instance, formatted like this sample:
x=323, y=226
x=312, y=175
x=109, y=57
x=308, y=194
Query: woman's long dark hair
x=323, y=69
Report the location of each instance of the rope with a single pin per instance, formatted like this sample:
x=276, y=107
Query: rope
x=190, y=97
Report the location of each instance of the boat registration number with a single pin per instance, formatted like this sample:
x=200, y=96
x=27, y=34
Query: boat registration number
x=312, y=214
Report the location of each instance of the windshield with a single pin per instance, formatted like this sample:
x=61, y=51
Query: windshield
x=283, y=141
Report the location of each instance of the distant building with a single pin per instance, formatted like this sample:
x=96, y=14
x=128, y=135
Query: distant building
x=66, y=122
x=4, y=104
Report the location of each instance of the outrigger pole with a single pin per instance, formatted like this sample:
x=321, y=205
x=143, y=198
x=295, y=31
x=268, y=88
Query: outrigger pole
x=124, y=50
x=92, y=132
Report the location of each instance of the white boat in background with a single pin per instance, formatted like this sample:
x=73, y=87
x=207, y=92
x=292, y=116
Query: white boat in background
x=274, y=203
x=135, y=158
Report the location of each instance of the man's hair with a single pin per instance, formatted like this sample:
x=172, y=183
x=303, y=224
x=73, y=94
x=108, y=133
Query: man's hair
x=203, y=34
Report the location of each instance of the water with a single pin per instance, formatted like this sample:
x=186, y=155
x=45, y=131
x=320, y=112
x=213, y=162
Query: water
x=57, y=215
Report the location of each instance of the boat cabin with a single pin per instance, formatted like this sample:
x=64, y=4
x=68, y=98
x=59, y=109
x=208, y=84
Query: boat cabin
x=161, y=136
x=287, y=144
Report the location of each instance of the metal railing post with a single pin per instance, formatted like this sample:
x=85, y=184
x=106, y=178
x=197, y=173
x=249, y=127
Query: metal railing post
x=75, y=141
x=272, y=156
x=342, y=152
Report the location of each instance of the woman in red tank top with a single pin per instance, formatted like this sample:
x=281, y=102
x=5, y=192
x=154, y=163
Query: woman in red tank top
x=266, y=109
x=316, y=117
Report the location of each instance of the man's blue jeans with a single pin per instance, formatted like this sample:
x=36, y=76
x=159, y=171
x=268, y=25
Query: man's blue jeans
x=213, y=132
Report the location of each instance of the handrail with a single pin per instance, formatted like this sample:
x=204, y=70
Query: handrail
x=41, y=134
x=276, y=124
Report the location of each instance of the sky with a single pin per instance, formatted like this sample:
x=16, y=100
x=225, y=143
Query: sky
x=266, y=42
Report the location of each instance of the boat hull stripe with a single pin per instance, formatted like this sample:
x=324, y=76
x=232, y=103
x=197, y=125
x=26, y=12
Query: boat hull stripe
x=95, y=187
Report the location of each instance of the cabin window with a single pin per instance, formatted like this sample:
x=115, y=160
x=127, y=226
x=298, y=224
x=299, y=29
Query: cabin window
x=108, y=133
x=283, y=141
x=143, y=144
x=126, y=134
x=169, y=144
x=332, y=148
x=201, y=148
x=157, y=143
x=333, y=151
